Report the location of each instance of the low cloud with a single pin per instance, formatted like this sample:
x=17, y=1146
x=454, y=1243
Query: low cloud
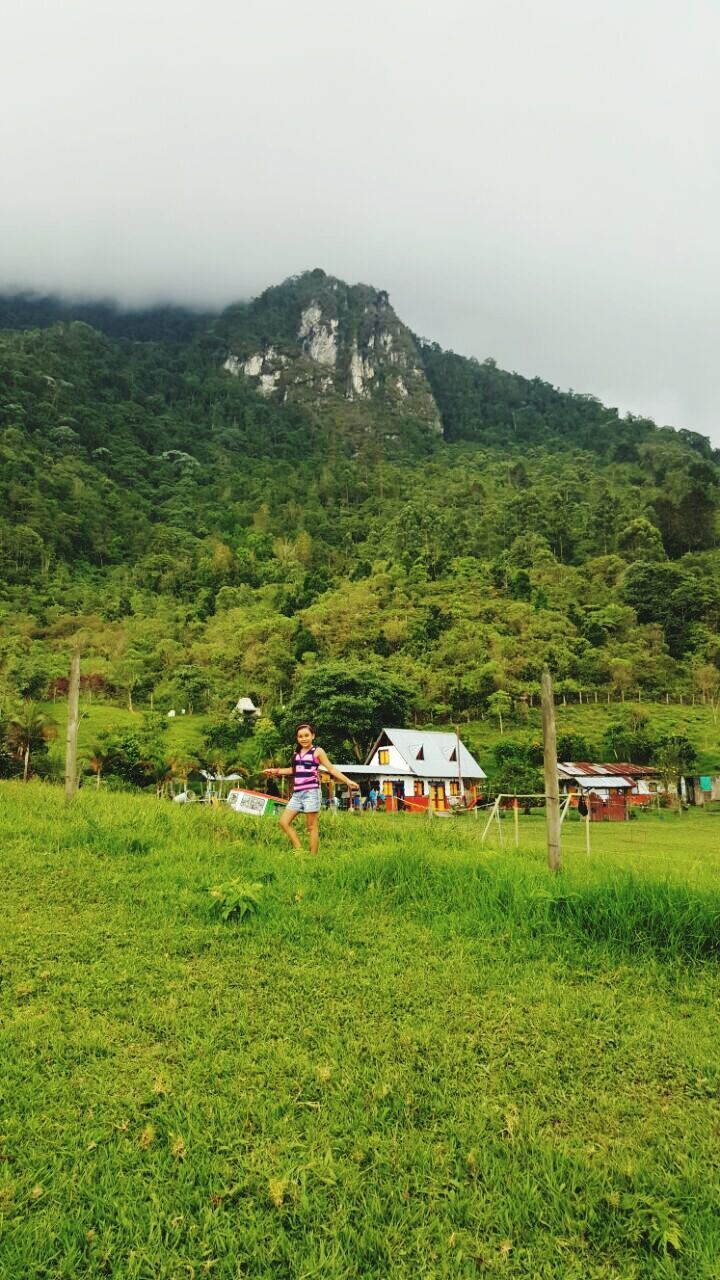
x=534, y=182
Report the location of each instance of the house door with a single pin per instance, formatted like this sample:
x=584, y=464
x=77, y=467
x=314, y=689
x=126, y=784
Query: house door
x=438, y=799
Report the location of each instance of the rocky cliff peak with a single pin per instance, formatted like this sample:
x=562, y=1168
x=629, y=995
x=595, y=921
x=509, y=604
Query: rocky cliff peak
x=317, y=339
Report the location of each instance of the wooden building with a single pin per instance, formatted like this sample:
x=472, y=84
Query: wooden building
x=415, y=769
x=605, y=790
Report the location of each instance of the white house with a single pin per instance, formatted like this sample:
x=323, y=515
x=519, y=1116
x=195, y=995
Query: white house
x=416, y=769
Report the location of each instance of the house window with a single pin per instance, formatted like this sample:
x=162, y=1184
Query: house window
x=419, y=788
x=453, y=756
x=454, y=787
x=384, y=755
x=421, y=754
x=387, y=788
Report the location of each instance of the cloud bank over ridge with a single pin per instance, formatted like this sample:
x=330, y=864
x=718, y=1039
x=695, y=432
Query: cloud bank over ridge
x=534, y=182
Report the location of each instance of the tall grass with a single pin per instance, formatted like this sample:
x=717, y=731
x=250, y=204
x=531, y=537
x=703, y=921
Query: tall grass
x=412, y=1057
x=623, y=910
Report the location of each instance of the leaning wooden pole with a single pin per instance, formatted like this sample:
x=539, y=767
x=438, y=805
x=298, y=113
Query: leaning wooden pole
x=552, y=789
x=73, y=721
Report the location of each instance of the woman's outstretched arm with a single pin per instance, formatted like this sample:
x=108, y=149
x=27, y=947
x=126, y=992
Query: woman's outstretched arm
x=334, y=773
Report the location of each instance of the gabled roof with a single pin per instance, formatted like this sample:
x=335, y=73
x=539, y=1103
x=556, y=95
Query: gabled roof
x=436, y=752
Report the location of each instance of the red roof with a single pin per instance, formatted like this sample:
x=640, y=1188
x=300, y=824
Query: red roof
x=581, y=767
x=632, y=770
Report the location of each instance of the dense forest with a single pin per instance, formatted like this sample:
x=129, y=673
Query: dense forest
x=261, y=502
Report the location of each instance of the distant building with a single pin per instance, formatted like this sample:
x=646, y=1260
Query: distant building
x=646, y=781
x=635, y=784
x=582, y=776
x=610, y=788
x=416, y=769
x=702, y=789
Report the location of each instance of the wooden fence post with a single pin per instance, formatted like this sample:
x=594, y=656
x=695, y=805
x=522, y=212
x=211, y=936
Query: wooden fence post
x=73, y=720
x=552, y=789
x=490, y=820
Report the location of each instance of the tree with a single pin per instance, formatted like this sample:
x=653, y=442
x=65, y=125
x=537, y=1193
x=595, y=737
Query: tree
x=629, y=738
x=9, y=766
x=421, y=534
x=28, y=732
x=224, y=733
x=188, y=687
x=574, y=747
x=674, y=757
x=648, y=587
x=180, y=766
x=266, y=738
x=500, y=704
x=516, y=768
x=137, y=755
x=641, y=540
x=706, y=678
x=98, y=759
x=305, y=642
x=264, y=748
x=349, y=703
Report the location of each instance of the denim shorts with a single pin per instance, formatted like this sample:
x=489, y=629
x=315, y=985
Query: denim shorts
x=309, y=801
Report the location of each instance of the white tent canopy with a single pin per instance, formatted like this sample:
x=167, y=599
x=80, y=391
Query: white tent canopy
x=247, y=707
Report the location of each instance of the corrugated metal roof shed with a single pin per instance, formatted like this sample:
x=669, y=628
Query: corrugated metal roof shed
x=630, y=770
x=604, y=780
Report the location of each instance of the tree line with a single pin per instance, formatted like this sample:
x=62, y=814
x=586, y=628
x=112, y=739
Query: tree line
x=204, y=542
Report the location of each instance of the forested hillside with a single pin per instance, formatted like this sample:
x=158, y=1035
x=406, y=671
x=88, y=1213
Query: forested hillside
x=299, y=490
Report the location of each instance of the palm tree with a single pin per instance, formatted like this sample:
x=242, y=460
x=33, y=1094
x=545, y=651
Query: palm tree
x=98, y=759
x=30, y=729
x=180, y=766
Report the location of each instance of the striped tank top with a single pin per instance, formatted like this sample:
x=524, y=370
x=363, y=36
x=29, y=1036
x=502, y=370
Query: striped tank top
x=306, y=773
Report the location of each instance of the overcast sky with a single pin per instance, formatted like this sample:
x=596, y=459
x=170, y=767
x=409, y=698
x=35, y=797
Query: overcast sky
x=534, y=180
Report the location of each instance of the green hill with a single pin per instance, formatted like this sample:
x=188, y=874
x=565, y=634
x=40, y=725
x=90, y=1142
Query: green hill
x=219, y=504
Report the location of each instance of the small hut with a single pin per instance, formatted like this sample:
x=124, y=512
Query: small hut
x=246, y=707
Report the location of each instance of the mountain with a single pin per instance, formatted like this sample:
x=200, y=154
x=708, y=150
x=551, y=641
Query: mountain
x=219, y=501
x=323, y=343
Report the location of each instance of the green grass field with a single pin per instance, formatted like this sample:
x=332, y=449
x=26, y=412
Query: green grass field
x=417, y=1058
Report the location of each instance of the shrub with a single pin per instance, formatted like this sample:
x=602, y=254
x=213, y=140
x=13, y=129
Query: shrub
x=236, y=899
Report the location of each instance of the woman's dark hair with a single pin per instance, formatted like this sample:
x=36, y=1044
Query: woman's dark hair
x=305, y=724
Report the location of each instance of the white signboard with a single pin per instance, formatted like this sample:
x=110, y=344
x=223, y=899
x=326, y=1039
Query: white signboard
x=246, y=802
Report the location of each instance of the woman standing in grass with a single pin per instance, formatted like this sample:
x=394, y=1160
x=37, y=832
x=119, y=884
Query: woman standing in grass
x=307, y=795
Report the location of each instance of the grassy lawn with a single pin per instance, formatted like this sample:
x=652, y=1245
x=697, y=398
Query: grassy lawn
x=184, y=734
x=682, y=846
x=418, y=1058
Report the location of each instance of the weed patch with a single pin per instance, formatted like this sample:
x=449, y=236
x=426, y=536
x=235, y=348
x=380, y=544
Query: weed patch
x=236, y=900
